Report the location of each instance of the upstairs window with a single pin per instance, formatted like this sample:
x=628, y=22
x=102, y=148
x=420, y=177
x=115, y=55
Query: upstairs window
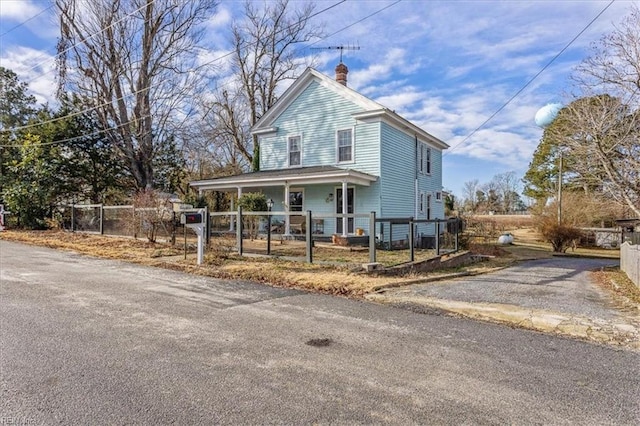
x=424, y=159
x=427, y=166
x=345, y=146
x=293, y=149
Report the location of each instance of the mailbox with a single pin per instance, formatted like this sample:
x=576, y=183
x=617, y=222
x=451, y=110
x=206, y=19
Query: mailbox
x=192, y=218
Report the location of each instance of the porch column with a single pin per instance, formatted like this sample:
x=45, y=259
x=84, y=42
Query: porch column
x=232, y=217
x=287, y=218
x=345, y=203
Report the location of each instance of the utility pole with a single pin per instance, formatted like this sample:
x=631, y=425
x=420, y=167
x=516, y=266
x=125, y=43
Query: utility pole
x=560, y=189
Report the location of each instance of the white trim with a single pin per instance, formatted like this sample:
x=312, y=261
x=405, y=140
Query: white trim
x=397, y=122
x=372, y=111
x=299, y=136
x=345, y=202
x=438, y=196
x=267, y=131
x=353, y=146
x=428, y=160
x=299, y=85
x=296, y=189
x=351, y=176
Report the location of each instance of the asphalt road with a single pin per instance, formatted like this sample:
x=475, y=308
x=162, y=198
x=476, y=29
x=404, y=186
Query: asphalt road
x=87, y=341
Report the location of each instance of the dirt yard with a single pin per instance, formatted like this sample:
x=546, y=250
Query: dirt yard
x=343, y=278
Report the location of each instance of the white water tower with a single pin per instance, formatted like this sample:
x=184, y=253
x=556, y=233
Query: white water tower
x=547, y=114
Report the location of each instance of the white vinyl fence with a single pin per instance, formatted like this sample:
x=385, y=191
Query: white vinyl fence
x=630, y=261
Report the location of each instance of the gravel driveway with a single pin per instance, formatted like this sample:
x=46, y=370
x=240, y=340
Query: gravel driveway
x=560, y=284
x=556, y=295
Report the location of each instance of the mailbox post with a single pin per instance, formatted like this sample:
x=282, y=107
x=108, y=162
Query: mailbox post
x=194, y=219
x=269, y=207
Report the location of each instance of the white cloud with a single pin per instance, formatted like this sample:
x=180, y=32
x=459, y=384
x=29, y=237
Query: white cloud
x=34, y=67
x=19, y=10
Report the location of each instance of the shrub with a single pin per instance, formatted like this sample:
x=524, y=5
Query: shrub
x=253, y=202
x=220, y=248
x=152, y=213
x=561, y=236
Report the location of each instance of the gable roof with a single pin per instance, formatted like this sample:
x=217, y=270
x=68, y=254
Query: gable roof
x=372, y=111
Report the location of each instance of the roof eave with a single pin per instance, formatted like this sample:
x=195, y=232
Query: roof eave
x=400, y=123
x=350, y=176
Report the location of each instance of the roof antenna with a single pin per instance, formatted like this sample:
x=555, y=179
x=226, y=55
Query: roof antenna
x=341, y=48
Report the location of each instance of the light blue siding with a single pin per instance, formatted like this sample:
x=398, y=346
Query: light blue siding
x=316, y=199
x=316, y=115
x=380, y=150
x=399, y=170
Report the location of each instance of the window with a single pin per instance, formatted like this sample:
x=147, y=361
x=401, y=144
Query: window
x=428, y=206
x=294, y=151
x=424, y=159
x=421, y=202
x=296, y=199
x=345, y=146
x=439, y=197
x=427, y=167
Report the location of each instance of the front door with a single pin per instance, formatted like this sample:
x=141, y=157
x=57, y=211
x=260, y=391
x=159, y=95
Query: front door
x=350, y=193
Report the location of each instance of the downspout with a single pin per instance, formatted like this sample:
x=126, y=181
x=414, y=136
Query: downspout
x=416, y=189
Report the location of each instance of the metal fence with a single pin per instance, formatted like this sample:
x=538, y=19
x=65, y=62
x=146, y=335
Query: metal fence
x=128, y=221
x=321, y=237
x=302, y=236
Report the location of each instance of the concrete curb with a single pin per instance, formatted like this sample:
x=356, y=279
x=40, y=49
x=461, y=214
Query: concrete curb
x=383, y=287
x=601, y=331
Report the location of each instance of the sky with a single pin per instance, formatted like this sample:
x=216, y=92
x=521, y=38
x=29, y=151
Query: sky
x=471, y=73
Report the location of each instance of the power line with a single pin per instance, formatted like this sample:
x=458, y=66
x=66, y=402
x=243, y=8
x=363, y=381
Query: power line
x=357, y=22
x=53, y=120
x=61, y=141
x=528, y=82
x=90, y=36
x=26, y=21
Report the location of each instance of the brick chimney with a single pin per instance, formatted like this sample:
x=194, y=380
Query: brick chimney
x=341, y=73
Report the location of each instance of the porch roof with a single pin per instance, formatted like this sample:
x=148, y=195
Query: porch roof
x=282, y=177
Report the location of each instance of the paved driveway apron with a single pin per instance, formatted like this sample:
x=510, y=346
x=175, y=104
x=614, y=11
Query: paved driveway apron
x=555, y=290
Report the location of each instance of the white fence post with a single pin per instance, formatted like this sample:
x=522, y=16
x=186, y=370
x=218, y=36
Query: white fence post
x=630, y=261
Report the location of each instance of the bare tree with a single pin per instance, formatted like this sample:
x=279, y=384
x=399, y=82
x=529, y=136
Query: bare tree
x=599, y=138
x=507, y=186
x=469, y=193
x=493, y=199
x=599, y=131
x=264, y=57
x=137, y=61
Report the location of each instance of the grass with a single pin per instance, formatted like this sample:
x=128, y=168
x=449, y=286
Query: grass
x=334, y=271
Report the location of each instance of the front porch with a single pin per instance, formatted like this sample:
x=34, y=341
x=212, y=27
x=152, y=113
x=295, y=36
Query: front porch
x=335, y=195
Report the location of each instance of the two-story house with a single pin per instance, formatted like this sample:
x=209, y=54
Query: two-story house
x=322, y=140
